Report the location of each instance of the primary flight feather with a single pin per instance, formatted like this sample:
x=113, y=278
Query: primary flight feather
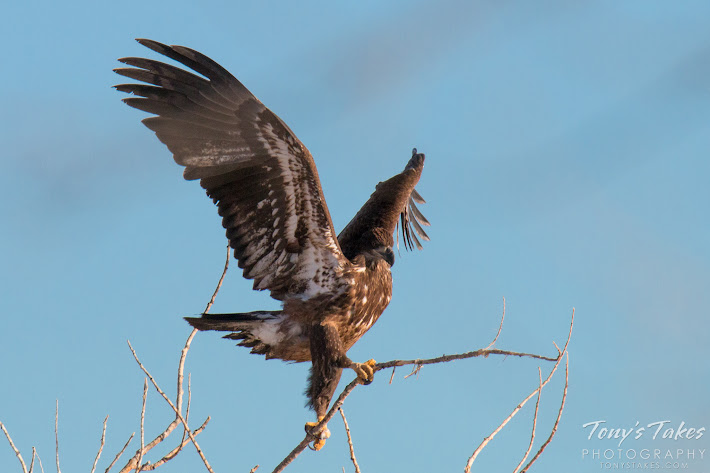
x=266, y=188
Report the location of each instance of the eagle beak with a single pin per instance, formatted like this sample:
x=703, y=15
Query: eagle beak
x=387, y=255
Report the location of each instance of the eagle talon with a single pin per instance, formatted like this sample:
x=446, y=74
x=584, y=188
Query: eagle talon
x=320, y=437
x=317, y=445
x=365, y=371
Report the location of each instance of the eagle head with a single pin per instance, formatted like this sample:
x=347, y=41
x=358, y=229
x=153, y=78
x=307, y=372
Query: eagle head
x=379, y=253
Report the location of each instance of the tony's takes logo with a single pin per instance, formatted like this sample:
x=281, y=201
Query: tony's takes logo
x=682, y=432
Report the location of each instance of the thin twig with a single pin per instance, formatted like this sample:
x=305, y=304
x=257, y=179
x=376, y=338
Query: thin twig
x=476, y=353
x=14, y=449
x=181, y=364
x=478, y=450
x=118, y=455
x=177, y=412
x=173, y=453
x=461, y=356
x=189, y=396
x=101, y=447
x=131, y=465
x=32, y=462
x=557, y=421
x=308, y=438
x=187, y=409
x=219, y=284
x=169, y=429
x=485, y=441
x=500, y=327
x=134, y=463
x=56, y=433
x=41, y=468
x=254, y=469
x=142, y=449
x=180, y=390
x=415, y=371
x=483, y=352
x=532, y=435
x=350, y=441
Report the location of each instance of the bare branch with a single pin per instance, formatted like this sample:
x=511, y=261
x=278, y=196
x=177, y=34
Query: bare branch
x=391, y=364
x=254, y=469
x=219, y=284
x=485, y=441
x=415, y=370
x=118, y=455
x=187, y=410
x=101, y=447
x=532, y=435
x=500, y=327
x=135, y=462
x=56, y=433
x=476, y=353
x=189, y=395
x=461, y=356
x=142, y=449
x=350, y=441
x=557, y=421
x=14, y=449
x=32, y=462
x=308, y=438
x=168, y=430
x=177, y=412
x=173, y=453
x=478, y=450
x=41, y=468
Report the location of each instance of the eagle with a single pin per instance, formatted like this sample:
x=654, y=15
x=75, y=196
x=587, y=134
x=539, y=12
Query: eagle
x=266, y=188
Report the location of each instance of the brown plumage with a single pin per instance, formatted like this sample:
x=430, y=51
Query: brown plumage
x=266, y=188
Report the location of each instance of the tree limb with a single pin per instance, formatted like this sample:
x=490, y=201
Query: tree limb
x=442, y=359
x=557, y=421
x=350, y=441
x=56, y=433
x=101, y=447
x=14, y=449
x=118, y=455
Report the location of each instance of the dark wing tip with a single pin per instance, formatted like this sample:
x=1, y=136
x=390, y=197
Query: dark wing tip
x=417, y=198
x=151, y=44
x=411, y=217
x=412, y=220
x=416, y=161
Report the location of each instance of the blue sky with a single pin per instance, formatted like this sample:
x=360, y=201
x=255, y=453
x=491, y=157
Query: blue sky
x=566, y=167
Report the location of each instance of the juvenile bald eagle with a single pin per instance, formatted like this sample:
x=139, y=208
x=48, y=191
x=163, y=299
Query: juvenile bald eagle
x=266, y=188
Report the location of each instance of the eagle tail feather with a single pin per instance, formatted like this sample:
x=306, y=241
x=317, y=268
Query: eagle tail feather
x=231, y=322
x=245, y=326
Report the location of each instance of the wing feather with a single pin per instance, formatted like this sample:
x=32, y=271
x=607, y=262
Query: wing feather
x=391, y=203
x=261, y=177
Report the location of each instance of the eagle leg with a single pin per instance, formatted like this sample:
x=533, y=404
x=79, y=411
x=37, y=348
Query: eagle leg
x=328, y=358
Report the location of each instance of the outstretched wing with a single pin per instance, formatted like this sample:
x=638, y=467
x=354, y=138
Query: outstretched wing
x=261, y=177
x=393, y=201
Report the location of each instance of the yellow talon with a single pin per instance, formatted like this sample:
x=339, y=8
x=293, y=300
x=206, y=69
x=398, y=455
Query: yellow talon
x=320, y=436
x=318, y=444
x=365, y=371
